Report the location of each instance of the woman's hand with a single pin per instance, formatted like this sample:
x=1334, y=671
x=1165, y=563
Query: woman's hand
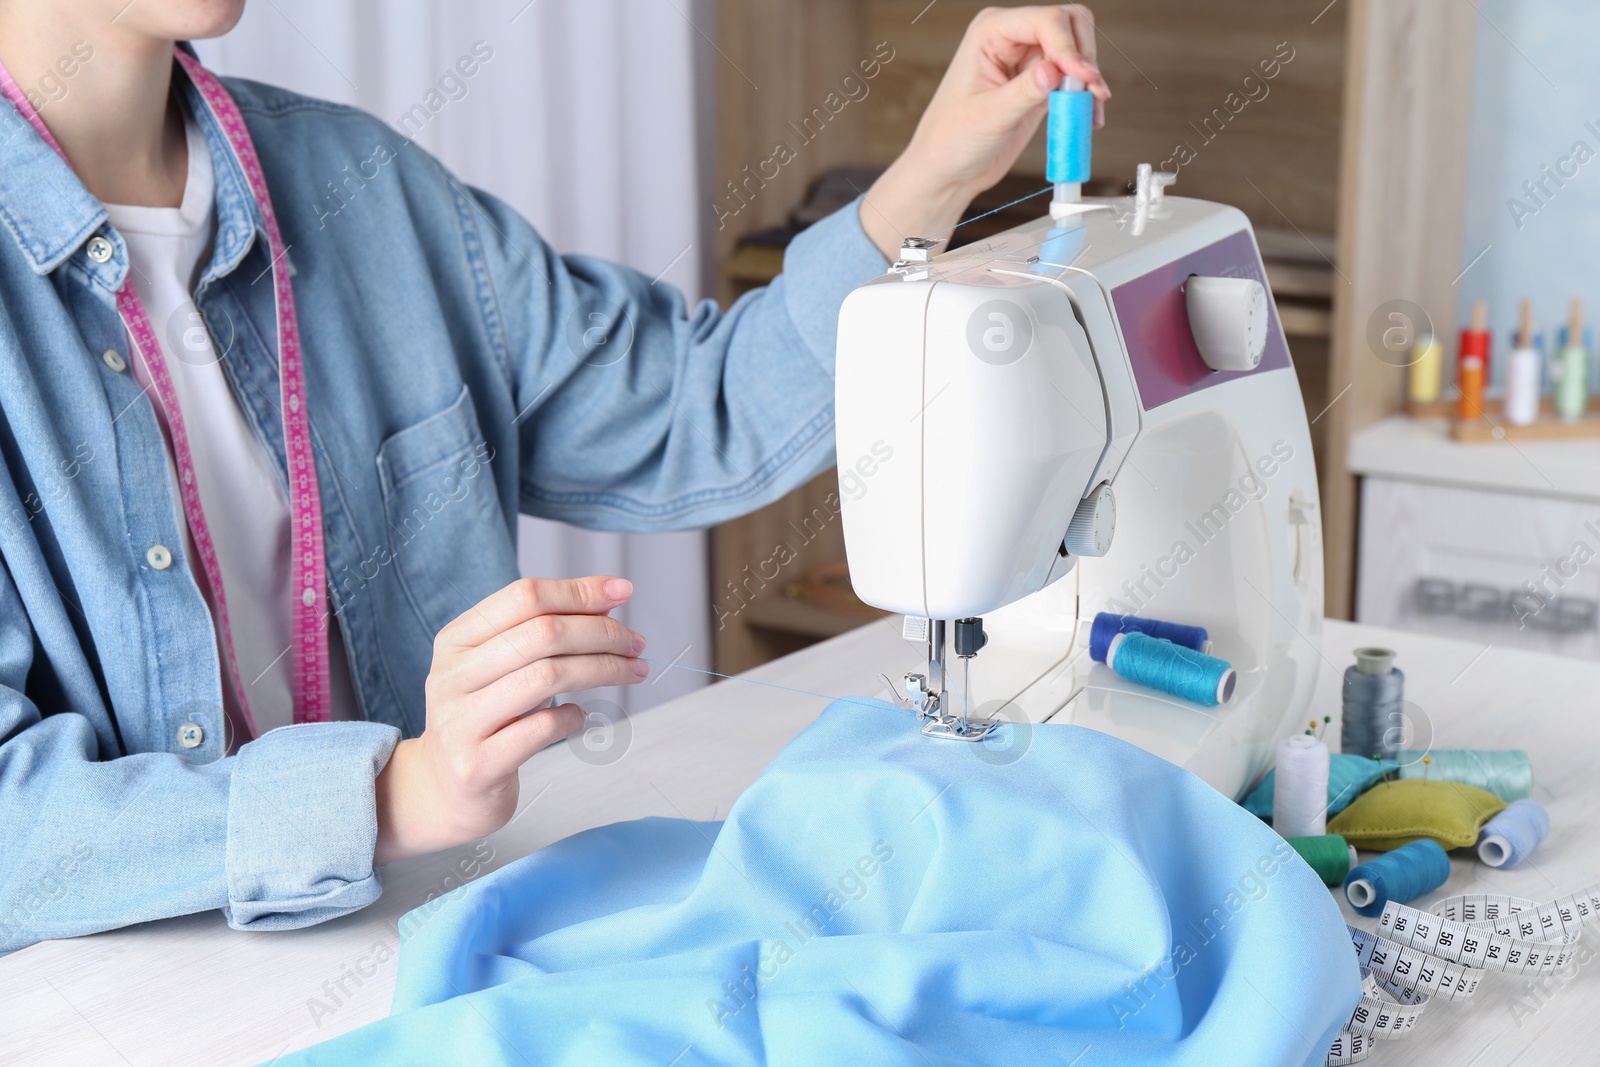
x=986, y=108
x=496, y=669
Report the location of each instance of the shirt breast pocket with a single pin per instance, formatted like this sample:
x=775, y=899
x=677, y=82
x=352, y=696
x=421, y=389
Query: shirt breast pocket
x=447, y=533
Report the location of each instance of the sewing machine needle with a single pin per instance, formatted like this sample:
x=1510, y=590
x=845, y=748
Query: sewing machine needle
x=966, y=689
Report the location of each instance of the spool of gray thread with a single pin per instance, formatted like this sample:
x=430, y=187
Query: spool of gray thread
x=1374, y=699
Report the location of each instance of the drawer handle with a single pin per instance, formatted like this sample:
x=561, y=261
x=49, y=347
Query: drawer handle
x=1516, y=608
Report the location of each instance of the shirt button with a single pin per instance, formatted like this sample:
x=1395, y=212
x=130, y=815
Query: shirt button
x=191, y=735
x=114, y=360
x=100, y=250
x=159, y=557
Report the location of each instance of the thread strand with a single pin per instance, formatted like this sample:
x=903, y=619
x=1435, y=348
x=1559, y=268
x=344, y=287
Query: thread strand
x=769, y=685
x=986, y=214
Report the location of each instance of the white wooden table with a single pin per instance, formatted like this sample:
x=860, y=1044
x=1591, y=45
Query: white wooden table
x=191, y=991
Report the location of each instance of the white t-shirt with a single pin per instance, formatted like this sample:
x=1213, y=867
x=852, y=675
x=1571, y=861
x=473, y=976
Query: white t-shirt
x=245, y=506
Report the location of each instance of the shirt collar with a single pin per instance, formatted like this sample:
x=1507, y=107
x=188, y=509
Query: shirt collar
x=50, y=214
x=42, y=203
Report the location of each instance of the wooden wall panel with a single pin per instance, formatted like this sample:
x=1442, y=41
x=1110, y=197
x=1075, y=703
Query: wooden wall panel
x=1408, y=102
x=1170, y=64
x=776, y=60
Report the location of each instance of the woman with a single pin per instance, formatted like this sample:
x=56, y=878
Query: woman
x=260, y=628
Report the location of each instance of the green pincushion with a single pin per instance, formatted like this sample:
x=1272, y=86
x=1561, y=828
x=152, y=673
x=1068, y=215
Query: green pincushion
x=1396, y=813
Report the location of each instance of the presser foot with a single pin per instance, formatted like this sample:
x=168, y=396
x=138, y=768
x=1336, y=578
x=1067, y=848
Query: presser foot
x=952, y=729
x=928, y=707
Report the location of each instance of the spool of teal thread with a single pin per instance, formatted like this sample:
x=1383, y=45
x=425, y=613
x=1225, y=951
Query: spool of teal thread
x=1172, y=668
x=1508, y=774
x=1069, y=132
x=1404, y=875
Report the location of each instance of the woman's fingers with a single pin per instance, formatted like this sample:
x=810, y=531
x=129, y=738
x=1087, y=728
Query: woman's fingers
x=1083, y=35
x=532, y=686
x=528, y=598
x=495, y=668
x=1025, y=96
x=536, y=639
x=1063, y=33
x=509, y=747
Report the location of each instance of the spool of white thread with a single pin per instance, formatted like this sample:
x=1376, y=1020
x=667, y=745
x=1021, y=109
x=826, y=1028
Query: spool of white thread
x=1522, y=387
x=1300, y=787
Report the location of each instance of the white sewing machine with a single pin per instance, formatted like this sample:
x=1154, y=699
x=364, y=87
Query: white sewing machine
x=1093, y=412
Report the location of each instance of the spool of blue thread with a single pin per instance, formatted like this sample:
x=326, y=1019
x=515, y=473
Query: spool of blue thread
x=1508, y=838
x=1404, y=875
x=1068, y=134
x=1172, y=668
x=1373, y=722
x=1108, y=625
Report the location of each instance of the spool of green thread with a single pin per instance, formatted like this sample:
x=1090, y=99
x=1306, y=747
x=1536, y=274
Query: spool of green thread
x=1572, y=386
x=1329, y=855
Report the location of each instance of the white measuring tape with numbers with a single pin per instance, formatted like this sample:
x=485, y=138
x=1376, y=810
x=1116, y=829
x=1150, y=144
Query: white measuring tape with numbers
x=1419, y=956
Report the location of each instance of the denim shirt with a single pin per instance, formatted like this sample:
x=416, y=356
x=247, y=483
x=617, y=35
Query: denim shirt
x=459, y=371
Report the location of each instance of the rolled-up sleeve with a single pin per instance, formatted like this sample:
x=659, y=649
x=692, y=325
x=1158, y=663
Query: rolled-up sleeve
x=302, y=824
x=637, y=411
x=280, y=835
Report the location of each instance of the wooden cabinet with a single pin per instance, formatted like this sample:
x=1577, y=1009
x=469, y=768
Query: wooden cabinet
x=1482, y=565
x=1492, y=542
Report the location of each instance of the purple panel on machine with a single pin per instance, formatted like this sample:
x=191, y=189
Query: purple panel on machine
x=1155, y=322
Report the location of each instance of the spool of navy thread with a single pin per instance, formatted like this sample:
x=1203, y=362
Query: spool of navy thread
x=1068, y=135
x=1404, y=875
x=1373, y=722
x=1508, y=838
x=1108, y=625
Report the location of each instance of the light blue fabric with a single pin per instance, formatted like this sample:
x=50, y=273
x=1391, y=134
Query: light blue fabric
x=879, y=897
x=455, y=377
x=1348, y=777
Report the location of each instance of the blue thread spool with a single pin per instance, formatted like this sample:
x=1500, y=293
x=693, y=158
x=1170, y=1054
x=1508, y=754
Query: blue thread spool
x=1404, y=875
x=1508, y=774
x=1508, y=838
x=1373, y=723
x=1172, y=668
x=1108, y=625
x=1068, y=136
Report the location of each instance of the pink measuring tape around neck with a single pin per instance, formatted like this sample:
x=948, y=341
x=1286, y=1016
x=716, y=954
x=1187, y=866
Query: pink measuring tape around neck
x=308, y=568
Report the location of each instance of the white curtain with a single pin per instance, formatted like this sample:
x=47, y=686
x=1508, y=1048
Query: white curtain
x=587, y=116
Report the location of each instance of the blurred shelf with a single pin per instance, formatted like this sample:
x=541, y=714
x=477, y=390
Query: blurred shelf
x=791, y=616
x=1298, y=280
x=1304, y=320
x=755, y=264
x=1423, y=450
